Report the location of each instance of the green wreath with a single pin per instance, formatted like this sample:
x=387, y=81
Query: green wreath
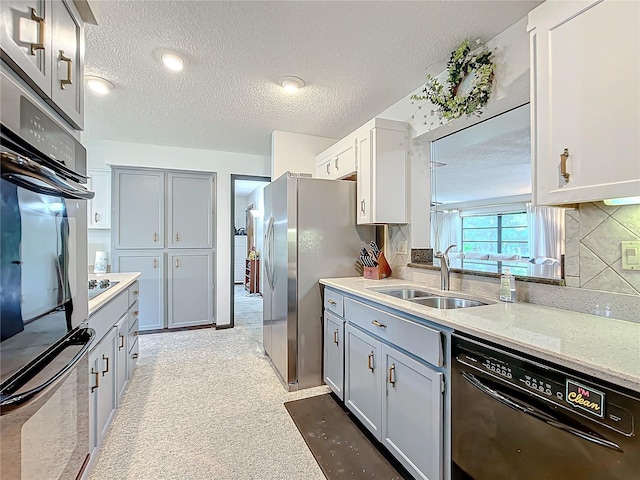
x=462, y=63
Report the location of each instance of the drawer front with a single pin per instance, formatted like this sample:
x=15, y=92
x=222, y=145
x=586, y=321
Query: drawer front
x=133, y=330
x=334, y=302
x=134, y=292
x=104, y=319
x=134, y=315
x=421, y=341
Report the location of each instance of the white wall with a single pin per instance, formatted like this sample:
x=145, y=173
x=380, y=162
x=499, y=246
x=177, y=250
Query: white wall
x=224, y=164
x=511, y=89
x=294, y=152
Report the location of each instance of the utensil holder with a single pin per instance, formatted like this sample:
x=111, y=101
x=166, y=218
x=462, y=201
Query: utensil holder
x=383, y=270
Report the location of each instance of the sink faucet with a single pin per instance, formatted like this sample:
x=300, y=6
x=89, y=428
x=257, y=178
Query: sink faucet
x=444, y=268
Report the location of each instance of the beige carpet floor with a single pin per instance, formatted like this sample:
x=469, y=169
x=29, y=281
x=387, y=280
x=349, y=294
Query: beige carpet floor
x=205, y=404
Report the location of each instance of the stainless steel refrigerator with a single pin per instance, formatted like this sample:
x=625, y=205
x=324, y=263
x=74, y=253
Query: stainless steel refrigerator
x=310, y=233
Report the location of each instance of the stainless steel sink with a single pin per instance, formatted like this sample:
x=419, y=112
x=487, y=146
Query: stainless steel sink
x=405, y=293
x=447, y=302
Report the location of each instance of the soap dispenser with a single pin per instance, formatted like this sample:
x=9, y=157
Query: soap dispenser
x=507, y=286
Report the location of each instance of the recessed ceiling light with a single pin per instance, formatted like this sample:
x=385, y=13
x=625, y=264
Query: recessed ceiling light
x=98, y=85
x=291, y=84
x=173, y=62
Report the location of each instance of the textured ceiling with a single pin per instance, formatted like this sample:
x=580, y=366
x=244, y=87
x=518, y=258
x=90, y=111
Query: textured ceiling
x=357, y=59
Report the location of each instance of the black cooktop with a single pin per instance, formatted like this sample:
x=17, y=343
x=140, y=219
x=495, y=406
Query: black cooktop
x=96, y=287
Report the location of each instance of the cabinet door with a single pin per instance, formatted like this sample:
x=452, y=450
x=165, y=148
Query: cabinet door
x=67, y=88
x=99, y=208
x=151, y=283
x=122, y=350
x=102, y=388
x=363, y=379
x=190, y=289
x=190, y=213
x=586, y=75
x=364, y=205
x=334, y=353
x=26, y=40
x=138, y=197
x=415, y=439
x=344, y=161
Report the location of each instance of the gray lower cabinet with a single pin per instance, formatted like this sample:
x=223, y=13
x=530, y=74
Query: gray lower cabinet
x=394, y=382
x=150, y=264
x=102, y=388
x=189, y=288
x=364, y=378
x=122, y=372
x=412, y=417
x=334, y=353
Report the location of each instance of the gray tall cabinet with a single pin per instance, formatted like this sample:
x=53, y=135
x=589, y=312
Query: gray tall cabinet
x=163, y=227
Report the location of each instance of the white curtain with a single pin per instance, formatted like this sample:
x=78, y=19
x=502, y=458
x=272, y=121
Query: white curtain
x=446, y=230
x=546, y=231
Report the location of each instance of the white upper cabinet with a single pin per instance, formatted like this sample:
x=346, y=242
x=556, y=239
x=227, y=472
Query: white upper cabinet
x=190, y=210
x=139, y=205
x=585, y=71
x=382, y=172
x=339, y=160
x=43, y=42
x=99, y=207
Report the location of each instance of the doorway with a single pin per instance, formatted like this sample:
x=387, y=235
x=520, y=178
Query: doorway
x=247, y=207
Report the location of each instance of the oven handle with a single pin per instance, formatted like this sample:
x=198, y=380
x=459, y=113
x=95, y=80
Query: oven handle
x=21, y=171
x=9, y=403
x=505, y=399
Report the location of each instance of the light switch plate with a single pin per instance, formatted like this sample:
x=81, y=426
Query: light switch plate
x=630, y=255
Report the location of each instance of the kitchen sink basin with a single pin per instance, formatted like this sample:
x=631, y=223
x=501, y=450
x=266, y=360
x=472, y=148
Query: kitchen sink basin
x=405, y=293
x=447, y=302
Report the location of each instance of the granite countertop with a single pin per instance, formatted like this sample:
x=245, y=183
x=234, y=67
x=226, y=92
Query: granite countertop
x=123, y=279
x=605, y=348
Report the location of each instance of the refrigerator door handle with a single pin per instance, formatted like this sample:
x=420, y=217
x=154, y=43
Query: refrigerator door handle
x=269, y=252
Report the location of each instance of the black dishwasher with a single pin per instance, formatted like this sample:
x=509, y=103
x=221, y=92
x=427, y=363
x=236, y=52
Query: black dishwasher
x=519, y=418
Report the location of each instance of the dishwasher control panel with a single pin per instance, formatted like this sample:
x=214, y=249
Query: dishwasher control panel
x=549, y=385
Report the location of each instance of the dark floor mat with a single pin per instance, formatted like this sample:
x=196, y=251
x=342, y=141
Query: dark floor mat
x=340, y=447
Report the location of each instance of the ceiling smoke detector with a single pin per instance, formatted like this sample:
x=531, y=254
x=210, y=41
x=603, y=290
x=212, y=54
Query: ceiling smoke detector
x=291, y=84
x=98, y=84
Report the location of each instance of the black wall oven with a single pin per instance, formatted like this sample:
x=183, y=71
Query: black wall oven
x=44, y=404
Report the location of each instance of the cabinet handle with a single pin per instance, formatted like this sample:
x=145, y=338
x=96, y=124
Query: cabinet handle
x=135, y=334
x=337, y=163
x=136, y=313
x=95, y=217
x=563, y=165
x=177, y=237
x=134, y=356
x=69, y=79
x=40, y=20
x=378, y=324
x=121, y=346
x=155, y=236
x=155, y=263
x=106, y=359
x=390, y=378
x=97, y=374
x=328, y=166
x=370, y=361
x=135, y=292
x=176, y=263
x=362, y=205
x=332, y=302
x=335, y=337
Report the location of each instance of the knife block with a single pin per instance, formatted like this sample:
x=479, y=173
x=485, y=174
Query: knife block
x=383, y=270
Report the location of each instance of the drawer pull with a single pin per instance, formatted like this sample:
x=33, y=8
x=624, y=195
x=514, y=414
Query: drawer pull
x=328, y=166
x=95, y=217
x=40, y=45
x=335, y=337
x=332, y=302
x=121, y=346
x=135, y=292
x=136, y=313
x=135, y=334
x=106, y=359
x=370, y=362
x=378, y=324
x=392, y=370
x=134, y=356
x=97, y=374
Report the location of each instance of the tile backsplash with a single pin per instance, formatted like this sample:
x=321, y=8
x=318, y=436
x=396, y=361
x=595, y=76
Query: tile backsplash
x=593, y=255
